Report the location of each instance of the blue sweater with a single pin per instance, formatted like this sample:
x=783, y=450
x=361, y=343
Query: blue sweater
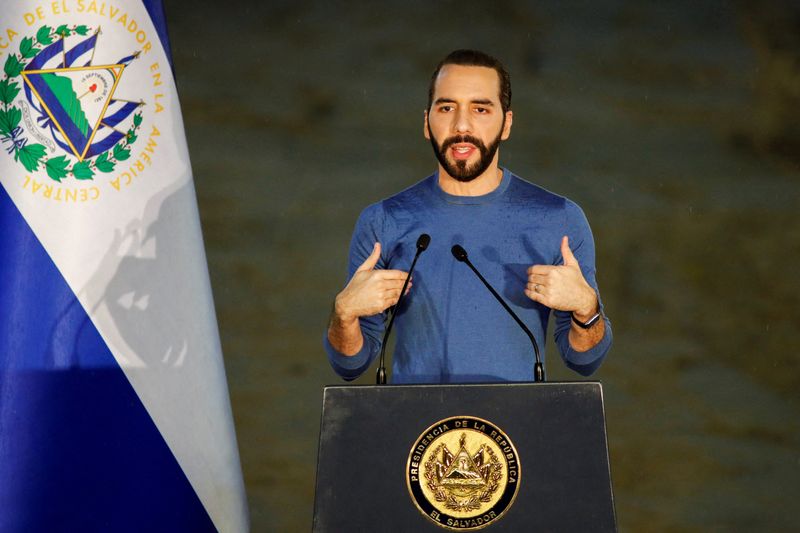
x=450, y=329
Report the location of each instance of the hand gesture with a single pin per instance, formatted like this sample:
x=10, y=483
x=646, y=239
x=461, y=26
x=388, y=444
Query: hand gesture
x=370, y=291
x=562, y=287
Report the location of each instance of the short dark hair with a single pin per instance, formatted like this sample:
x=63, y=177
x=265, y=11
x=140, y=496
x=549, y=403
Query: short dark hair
x=475, y=58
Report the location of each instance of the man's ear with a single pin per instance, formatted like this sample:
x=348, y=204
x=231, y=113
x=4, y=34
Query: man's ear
x=507, y=126
x=425, y=130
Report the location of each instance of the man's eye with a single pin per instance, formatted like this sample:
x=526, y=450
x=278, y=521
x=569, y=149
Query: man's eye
x=481, y=110
x=446, y=108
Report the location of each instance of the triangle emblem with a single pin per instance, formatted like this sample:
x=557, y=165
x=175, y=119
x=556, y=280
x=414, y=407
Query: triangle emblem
x=75, y=100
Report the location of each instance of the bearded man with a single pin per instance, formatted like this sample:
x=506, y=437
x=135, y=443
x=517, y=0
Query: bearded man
x=534, y=246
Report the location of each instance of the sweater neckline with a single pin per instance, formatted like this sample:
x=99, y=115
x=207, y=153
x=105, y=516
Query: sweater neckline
x=472, y=200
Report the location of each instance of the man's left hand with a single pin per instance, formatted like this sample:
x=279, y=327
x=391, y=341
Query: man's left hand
x=562, y=287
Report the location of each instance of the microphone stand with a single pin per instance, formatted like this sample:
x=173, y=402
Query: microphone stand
x=538, y=369
x=422, y=244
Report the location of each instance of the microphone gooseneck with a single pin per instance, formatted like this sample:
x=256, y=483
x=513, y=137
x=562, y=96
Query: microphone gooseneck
x=538, y=369
x=422, y=244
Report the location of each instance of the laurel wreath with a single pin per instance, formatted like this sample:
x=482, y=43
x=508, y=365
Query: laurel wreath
x=456, y=504
x=33, y=155
x=438, y=491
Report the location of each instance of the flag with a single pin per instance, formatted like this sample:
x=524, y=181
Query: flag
x=114, y=409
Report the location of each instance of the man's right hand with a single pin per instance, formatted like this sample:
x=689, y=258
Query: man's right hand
x=369, y=291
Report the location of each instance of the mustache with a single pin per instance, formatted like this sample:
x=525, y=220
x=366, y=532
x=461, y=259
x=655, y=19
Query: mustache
x=455, y=139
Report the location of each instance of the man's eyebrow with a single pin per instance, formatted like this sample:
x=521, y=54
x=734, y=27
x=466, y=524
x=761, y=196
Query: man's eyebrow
x=479, y=101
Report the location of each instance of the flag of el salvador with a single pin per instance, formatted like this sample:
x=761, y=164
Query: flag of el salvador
x=114, y=408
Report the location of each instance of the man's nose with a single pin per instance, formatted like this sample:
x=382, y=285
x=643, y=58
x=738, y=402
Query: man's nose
x=463, y=122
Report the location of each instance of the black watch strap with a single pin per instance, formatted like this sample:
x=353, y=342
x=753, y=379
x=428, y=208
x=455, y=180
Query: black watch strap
x=589, y=323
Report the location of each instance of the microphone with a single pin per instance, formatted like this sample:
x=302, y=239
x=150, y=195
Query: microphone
x=422, y=244
x=538, y=369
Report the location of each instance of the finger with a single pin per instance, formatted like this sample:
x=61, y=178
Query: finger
x=538, y=278
x=389, y=301
x=566, y=253
x=391, y=294
x=538, y=288
x=540, y=269
x=391, y=275
x=535, y=296
x=390, y=285
x=372, y=260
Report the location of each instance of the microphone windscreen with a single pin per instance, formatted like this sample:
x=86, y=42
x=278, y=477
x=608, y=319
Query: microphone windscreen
x=459, y=253
x=423, y=242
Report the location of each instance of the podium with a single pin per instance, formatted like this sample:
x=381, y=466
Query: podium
x=500, y=457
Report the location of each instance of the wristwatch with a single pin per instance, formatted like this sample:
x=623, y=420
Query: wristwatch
x=589, y=323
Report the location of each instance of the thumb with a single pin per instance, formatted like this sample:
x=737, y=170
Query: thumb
x=566, y=253
x=370, y=262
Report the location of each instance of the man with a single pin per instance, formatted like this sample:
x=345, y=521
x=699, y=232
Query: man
x=535, y=247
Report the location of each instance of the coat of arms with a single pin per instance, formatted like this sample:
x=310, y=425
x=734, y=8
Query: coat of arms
x=463, y=473
x=463, y=481
x=60, y=110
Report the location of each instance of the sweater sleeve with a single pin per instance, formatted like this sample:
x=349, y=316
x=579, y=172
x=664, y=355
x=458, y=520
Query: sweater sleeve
x=368, y=231
x=582, y=244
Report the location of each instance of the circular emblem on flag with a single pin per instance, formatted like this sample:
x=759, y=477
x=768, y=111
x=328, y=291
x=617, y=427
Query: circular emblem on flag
x=62, y=108
x=463, y=473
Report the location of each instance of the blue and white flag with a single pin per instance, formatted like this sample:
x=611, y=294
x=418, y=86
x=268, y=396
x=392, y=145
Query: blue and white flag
x=114, y=409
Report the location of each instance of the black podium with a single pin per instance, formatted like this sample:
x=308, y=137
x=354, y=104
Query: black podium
x=381, y=447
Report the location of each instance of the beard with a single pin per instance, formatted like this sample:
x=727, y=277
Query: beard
x=460, y=170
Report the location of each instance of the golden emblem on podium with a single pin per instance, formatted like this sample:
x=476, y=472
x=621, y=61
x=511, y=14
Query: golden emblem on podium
x=463, y=473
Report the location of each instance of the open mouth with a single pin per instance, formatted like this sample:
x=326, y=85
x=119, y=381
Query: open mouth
x=462, y=151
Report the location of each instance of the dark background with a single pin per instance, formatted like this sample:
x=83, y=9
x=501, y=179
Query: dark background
x=675, y=125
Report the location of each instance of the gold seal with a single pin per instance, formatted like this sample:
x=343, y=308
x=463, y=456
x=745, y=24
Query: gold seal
x=463, y=473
